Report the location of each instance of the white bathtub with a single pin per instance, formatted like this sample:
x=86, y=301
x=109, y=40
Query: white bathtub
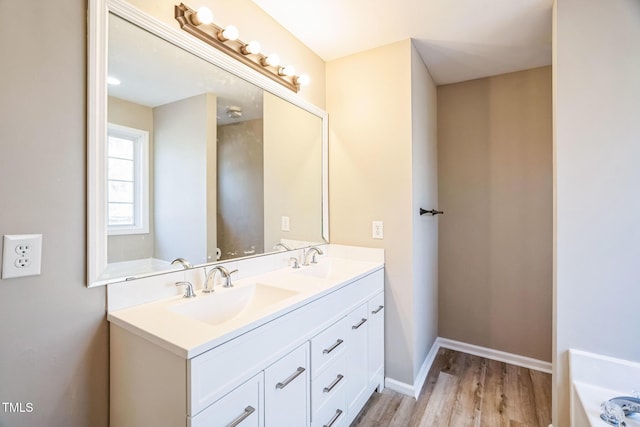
x=596, y=378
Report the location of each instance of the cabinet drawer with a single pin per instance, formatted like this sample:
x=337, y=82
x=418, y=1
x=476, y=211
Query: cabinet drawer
x=327, y=346
x=329, y=383
x=333, y=413
x=286, y=395
x=242, y=407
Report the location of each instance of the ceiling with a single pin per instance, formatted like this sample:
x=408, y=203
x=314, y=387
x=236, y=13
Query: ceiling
x=457, y=39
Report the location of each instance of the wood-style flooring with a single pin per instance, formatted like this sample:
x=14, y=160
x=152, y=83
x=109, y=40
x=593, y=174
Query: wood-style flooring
x=464, y=390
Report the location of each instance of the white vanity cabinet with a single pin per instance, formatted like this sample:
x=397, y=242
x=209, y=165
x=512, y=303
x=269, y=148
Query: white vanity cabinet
x=241, y=407
x=314, y=365
x=286, y=396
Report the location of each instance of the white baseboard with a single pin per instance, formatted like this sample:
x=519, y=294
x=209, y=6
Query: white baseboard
x=500, y=356
x=398, y=386
x=413, y=390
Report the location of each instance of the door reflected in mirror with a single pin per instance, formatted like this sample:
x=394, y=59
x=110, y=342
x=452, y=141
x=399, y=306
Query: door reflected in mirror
x=200, y=163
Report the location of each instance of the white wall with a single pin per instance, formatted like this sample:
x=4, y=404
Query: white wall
x=424, y=166
x=597, y=173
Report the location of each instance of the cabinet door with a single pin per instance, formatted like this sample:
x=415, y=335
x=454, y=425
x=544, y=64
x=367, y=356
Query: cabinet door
x=376, y=340
x=286, y=391
x=357, y=355
x=242, y=407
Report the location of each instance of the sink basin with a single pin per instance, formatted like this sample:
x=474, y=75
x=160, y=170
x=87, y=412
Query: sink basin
x=322, y=270
x=227, y=304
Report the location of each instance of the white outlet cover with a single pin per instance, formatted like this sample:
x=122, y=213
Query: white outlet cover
x=377, y=229
x=22, y=255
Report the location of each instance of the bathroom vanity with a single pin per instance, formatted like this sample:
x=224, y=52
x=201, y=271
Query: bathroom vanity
x=290, y=347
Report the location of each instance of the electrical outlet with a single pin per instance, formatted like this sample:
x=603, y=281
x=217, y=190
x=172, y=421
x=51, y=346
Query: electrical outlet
x=21, y=255
x=377, y=230
x=284, y=223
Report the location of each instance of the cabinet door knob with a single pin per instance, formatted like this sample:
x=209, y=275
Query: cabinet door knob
x=247, y=411
x=293, y=376
x=334, y=418
x=360, y=323
x=333, y=347
x=335, y=382
x=377, y=310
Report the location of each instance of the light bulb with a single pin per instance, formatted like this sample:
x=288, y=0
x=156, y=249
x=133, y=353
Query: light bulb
x=251, y=47
x=203, y=16
x=287, y=70
x=272, y=60
x=303, y=80
x=229, y=33
x=114, y=81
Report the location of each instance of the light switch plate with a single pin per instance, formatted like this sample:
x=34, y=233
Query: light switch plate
x=22, y=255
x=377, y=230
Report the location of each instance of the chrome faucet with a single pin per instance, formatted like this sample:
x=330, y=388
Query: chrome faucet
x=188, y=290
x=186, y=264
x=212, y=274
x=615, y=410
x=281, y=245
x=312, y=251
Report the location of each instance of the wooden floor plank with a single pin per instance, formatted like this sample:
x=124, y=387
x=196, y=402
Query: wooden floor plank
x=440, y=405
x=462, y=390
x=467, y=407
x=542, y=396
x=494, y=404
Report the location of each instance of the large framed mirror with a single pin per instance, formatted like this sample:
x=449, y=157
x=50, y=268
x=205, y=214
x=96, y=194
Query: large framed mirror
x=191, y=154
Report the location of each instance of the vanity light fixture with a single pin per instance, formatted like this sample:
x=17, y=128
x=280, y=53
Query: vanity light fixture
x=251, y=48
x=202, y=16
x=229, y=33
x=272, y=60
x=200, y=24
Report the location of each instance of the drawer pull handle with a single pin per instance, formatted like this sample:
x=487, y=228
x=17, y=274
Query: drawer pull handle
x=334, y=418
x=333, y=347
x=376, y=311
x=247, y=412
x=295, y=375
x=362, y=322
x=333, y=384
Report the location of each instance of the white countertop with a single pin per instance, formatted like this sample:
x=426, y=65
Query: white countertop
x=188, y=337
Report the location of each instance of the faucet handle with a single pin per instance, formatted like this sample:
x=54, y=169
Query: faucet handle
x=227, y=283
x=294, y=261
x=188, y=291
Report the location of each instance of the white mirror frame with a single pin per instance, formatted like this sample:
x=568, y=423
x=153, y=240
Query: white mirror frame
x=97, y=116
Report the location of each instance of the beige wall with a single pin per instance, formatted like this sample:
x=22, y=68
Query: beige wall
x=254, y=24
x=292, y=172
x=132, y=246
x=424, y=165
x=597, y=152
x=495, y=186
x=369, y=100
x=53, y=333
x=185, y=179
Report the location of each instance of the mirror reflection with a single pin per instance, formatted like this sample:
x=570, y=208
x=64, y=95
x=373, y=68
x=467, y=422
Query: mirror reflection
x=201, y=164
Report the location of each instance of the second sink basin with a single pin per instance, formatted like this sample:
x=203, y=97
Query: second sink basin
x=230, y=303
